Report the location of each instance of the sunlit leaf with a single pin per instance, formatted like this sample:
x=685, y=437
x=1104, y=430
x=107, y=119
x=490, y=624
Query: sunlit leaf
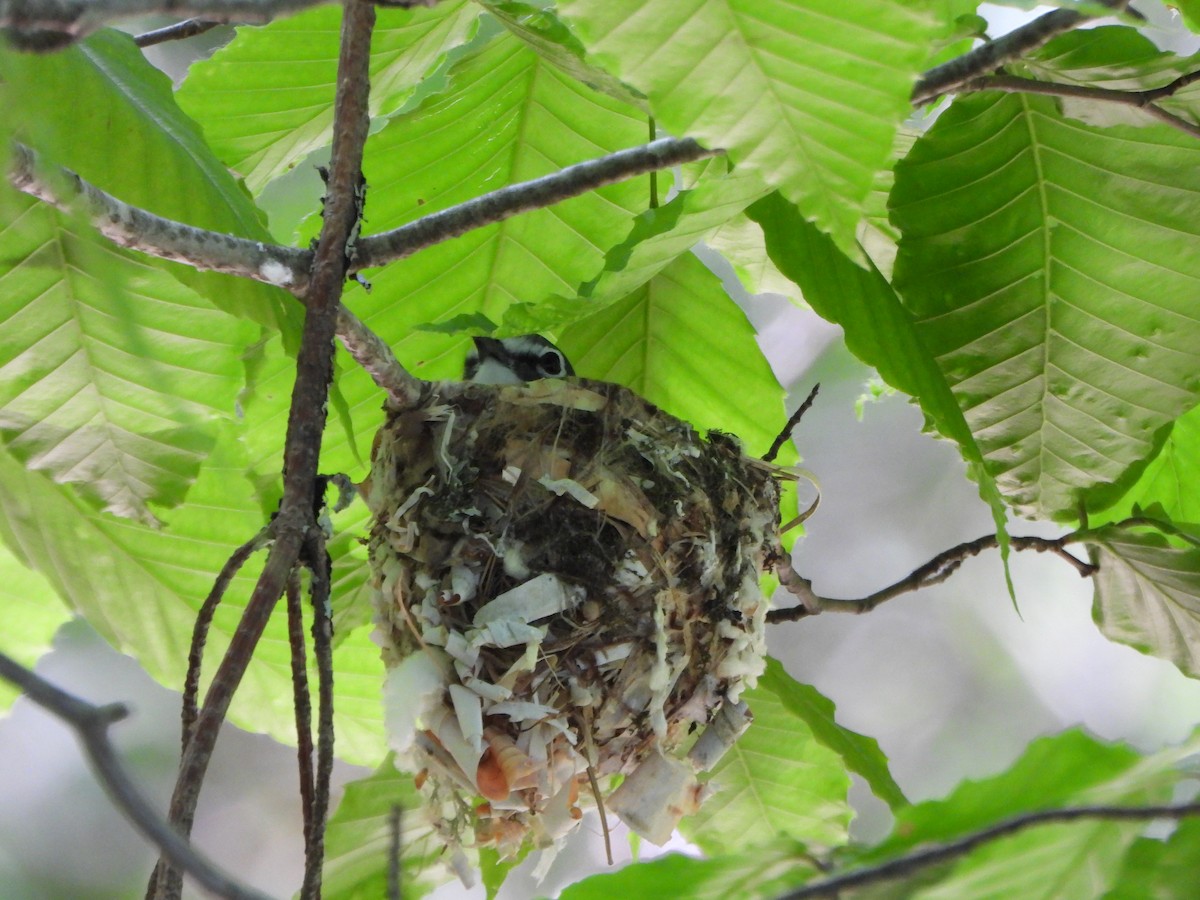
x=1169, y=479
x=123, y=132
x=547, y=34
x=658, y=237
x=777, y=84
x=112, y=372
x=1052, y=266
x=266, y=98
x=742, y=243
x=681, y=343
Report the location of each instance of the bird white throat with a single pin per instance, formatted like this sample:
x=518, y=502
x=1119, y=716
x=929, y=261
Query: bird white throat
x=515, y=360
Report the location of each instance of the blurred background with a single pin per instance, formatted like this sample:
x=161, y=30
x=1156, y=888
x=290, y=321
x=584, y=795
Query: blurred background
x=952, y=681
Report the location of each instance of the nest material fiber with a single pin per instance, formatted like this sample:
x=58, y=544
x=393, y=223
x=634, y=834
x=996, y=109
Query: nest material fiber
x=567, y=589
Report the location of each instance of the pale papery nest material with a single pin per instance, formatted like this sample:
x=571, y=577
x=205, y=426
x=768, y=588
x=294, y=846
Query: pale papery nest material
x=567, y=590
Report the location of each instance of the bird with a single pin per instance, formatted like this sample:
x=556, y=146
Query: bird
x=515, y=360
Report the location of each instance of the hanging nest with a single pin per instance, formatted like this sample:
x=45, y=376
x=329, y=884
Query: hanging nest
x=567, y=589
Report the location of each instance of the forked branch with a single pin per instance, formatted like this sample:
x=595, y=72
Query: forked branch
x=986, y=58
x=1143, y=100
x=933, y=572
x=295, y=524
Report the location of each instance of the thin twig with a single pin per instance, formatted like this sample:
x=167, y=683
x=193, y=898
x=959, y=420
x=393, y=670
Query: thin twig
x=940, y=853
x=197, y=754
x=653, y=133
x=395, y=822
x=985, y=58
x=191, y=680
x=933, y=572
x=90, y=724
x=1143, y=100
x=177, y=32
x=792, y=422
x=599, y=798
x=319, y=564
x=302, y=706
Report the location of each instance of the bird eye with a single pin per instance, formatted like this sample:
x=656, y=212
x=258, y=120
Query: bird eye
x=551, y=363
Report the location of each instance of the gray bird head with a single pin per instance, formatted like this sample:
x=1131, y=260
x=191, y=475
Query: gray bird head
x=515, y=360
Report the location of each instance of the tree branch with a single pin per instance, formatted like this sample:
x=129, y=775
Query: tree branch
x=136, y=229
x=301, y=706
x=1143, y=100
x=90, y=724
x=380, y=249
x=940, y=853
x=949, y=76
x=34, y=23
x=177, y=32
x=933, y=572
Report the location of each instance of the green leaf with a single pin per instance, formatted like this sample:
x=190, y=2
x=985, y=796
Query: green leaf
x=141, y=587
x=548, y=35
x=1053, y=772
x=123, y=132
x=878, y=330
x=1161, y=869
x=779, y=85
x=32, y=614
x=266, y=98
x=764, y=872
x=1051, y=266
x=1169, y=480
x=359, y=837
x=659, y=236
x=778, y=780
x=860, y=754
x=1080, y=859
x=681, y=343
x=960, y=28
x=112, y=373
x=1190, y=9
x=1148, y=594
